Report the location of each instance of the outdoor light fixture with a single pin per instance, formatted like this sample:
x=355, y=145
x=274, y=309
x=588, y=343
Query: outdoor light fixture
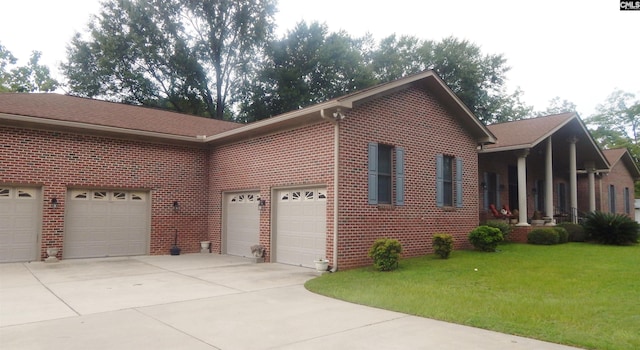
x=261, y=203
x=54, y=203
x=483, y=185
x=176, y=206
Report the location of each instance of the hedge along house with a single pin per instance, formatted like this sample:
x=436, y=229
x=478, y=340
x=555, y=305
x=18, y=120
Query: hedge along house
x=395, y=160
x=546, y=164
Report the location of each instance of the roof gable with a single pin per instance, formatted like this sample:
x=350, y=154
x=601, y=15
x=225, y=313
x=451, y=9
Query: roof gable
x=617, y=155
x=336, y=107
x=526, y=134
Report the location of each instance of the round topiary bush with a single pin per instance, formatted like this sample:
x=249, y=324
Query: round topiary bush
x=502, y=225
x=563, y=235
x=546, y=236
x=576, y=231
x=443, y=244
x=385, y=253
x=486, y=238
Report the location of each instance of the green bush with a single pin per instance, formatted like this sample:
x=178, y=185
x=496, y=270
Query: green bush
x=486, y=238
x=502, y=225
x=610, y=228
x=443, y=244
x=546, y=236
x=385, y=253
x=576, y=231
x=563, y=234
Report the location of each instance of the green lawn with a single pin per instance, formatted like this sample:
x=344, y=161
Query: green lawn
x=577, y=294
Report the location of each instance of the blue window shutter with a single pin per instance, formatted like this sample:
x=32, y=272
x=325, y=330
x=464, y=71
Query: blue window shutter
x=459, y=193
x=399, y=176
x=439, y=180
x=485, y=191
x=497, y=189
x=373, y=173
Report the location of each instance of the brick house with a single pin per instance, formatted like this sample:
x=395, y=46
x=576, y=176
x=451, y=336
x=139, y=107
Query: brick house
x=552, y=165
x=615, y=187
x=94, y=178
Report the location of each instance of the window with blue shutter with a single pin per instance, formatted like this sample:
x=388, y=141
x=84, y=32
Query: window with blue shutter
x=384, y=175
x=449, y=189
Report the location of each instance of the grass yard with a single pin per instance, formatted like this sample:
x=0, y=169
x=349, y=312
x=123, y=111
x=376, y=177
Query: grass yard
x=577, y=294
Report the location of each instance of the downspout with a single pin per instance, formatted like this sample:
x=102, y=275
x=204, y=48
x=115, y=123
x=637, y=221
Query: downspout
x=336, y=163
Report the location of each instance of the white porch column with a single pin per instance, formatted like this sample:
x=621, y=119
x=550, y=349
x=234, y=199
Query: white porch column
x=548, y=182
x=591, y=168
x=522, y=188
x=573, y=179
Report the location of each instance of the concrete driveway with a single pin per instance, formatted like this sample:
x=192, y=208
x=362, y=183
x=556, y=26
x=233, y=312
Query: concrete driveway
x=205, y=301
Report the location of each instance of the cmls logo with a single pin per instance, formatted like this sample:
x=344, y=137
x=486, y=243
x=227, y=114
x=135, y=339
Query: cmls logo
x=627, y=5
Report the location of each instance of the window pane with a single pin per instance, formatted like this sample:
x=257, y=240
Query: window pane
x=384, y=160
x=448, y=194
x=447, y=181
x=384, y=189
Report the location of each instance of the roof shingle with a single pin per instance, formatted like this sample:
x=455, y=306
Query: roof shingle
x=95, y=112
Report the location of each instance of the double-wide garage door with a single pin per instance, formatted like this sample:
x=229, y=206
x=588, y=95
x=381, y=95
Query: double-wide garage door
x=19, y=223
x=101, y=223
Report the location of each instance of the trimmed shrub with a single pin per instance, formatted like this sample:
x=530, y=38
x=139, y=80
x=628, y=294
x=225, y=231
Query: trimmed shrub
x=502, y=225
x=563, y=234
x=486, y=238
x=545, y=236
x=610, y=228
x=576, y=231
x=443, y=244
x=385, y=253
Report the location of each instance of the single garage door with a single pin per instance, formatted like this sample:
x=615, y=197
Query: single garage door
x=102, y=223
x=301, y=225
x=19, y=224
x=242, y=223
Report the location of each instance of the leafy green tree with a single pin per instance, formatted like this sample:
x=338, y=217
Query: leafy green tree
x=557, y=106
x=308, y=65
x=33, y=77
x=477, y=78
x=185, y=55
x=616, y=124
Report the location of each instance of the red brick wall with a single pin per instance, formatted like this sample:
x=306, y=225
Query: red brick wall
x=302, y=156
x=414, y=120
x=57, y=161
x=620, y=177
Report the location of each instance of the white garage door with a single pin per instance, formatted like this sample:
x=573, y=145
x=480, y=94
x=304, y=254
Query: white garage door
x=242, y=223
x=102, y=223
x=19, y=224
x=301, y=225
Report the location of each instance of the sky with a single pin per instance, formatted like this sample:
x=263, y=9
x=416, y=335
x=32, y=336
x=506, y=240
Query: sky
x=580, y=51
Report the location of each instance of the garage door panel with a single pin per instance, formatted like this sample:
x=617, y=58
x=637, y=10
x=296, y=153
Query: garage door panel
x=20, y=222
x=300, y=226
x=103, y=223
x=242, y=222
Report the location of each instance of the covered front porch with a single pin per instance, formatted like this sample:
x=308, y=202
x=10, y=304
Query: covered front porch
x=541, y=171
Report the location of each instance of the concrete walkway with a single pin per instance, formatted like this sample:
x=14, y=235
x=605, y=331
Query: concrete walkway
x=205, y=301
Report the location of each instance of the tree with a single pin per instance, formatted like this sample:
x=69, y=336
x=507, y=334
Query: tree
x=477, y=78
x=33, y=77
x=557, y=106
x=308, y=65
x=185, y=55
x=616, y=124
